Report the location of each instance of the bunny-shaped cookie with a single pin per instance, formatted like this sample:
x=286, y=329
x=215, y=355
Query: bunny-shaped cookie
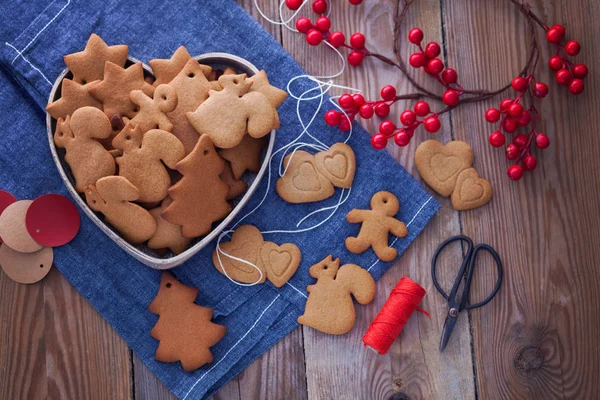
x=88, y=159
x=112, y=196
x=226, y=114
x=152, y=113
x=141, y=160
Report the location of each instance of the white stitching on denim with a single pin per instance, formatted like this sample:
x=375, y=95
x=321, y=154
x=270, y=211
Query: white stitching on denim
x=28, y=62
x=297, y=290
x=232, y=347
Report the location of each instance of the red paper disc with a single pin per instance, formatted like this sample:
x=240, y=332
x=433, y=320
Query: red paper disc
x=6, y=199
x=52, y=220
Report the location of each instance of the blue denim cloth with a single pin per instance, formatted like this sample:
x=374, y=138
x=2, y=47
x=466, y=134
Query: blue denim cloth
x=35, y=36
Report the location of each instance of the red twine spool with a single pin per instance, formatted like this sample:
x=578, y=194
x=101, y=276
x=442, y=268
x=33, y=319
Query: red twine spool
x=394, y=314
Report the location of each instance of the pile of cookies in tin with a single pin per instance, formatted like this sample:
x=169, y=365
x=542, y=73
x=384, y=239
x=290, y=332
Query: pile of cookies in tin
x=161, y=155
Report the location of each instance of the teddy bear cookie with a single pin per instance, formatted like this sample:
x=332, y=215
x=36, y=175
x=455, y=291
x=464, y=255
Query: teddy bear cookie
x=329, y=307
x=377, y=224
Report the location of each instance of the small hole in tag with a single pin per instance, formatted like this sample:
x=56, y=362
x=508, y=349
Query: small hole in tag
x=206, y=152
x=41, y=265
x=168, y=284
x=191, y=75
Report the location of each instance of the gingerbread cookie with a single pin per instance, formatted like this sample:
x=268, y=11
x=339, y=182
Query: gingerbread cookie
x=242, y=110
x=143, y=158
x=72, y=96
x=13, y=229
x=88, y=65
x=26, y=267
x=279, y=262
x=329, y=307
x=88, y=159
x=302, y=182
x=167, y=236
x=471, y=191
x=184, y=330
x=276, y=96
x=200, y=197
x=246, y=243
x=338, y=164
x=377, y=224
x=165, y=70
x=152, y=113
x=244, y=156
x=236, y=187
x=113, y=196
x=113, y=91
x=439, y=165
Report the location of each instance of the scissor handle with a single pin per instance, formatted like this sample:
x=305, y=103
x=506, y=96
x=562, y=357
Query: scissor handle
x=441, y=247
x=496, y=257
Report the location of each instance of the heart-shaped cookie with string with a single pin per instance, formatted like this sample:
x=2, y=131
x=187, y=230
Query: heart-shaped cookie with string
x=246, y=243
x=302, y=181
x=280, y=262
x=471, y=191
x=338, y=164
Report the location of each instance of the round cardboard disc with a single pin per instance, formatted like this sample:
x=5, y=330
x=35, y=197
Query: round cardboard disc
x=13, y=230
x=26, y=267
x=52, y=220
x=6, y=199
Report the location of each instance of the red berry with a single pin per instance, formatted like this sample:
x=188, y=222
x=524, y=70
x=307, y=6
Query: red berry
x=357, y=40
x=560, y=29
x=555, y=35
x=378, y=141
x=319, y=6
x=542, y=141
x=450, y=97
x=293, y=4
x=520, y=140
x=402, y=138
x=355, y=2
x=492, y=115
x=408, y=118
x=572, y=47
x=525, y=118
x=303, y=25
x=504, y=104
x=422, y=108
x=515, y=172
x=510, y=125
x=497, y=139
x=449, y=76
x=323, y=24
x=344, y=125
x=540, y=90
x=519, y=84
x=382, y=110
x=555, y=63
x=314, y=37
x=346, y=101
x=515, y=110
x=417, y=60
x=415, y=36
x=432, y=124
x=529, y=163
x=580, y=71
x=564, y=77
x=432, y=50
x=435, y=66
x=512, y=152
x=337, y=39
x=388, y=93
x=355, y=58
x=359, y=100
x=387, y=127
x=576, y=86
x=366, y=111
x=333, y=117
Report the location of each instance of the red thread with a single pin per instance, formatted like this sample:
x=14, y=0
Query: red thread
x=394, y=314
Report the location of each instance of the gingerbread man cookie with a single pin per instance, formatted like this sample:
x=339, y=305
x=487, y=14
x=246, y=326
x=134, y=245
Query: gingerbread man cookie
x=88, y=159
x=153, y=112
x=377, y=224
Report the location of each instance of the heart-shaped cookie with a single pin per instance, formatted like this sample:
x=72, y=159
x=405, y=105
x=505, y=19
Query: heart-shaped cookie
x=439, y=165
x=246, y=243
x=302, y=181
x=338, y=164
x=280, y=262
x=471, y=190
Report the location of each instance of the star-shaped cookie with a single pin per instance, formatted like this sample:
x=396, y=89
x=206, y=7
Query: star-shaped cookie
x=88, y=65
x=244, y=156
x=168, y=235
x=73, y=96
x=167, y=69
x=118, y=83
x=260, y=83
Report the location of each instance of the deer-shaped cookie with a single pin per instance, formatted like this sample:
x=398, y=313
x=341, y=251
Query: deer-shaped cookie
x=329, y=307
x=377, y=224
x=143, y=157
x=227, y=114
x=77, y=134
x=152, y=112
x=112, y=196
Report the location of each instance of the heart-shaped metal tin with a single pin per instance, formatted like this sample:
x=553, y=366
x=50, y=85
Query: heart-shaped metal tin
x=142, y=253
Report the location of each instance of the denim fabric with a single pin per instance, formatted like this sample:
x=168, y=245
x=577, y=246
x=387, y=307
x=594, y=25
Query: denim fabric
x=35, y=35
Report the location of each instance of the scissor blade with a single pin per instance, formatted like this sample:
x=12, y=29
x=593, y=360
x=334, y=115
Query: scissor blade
x=447, y=331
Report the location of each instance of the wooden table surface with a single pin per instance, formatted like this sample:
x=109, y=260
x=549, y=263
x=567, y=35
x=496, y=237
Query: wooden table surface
x=536, y=339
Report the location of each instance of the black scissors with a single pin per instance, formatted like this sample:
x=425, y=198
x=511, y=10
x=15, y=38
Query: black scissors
x=468, y=266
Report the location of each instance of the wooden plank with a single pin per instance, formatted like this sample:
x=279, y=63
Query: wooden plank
x=535, y=340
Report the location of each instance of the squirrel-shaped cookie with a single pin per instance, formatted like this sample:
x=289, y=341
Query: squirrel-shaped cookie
x=227, y=114
x=112, y=196
x=152, y=112
x=377, y=224
x=143, y=157
x=88, y=159
x=329, y=307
